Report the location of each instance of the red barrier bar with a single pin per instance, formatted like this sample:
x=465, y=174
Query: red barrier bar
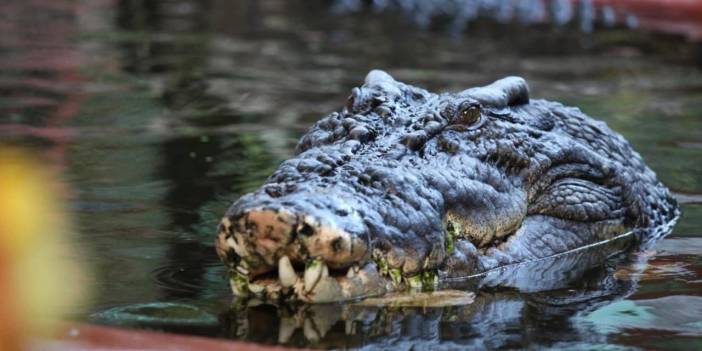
x=90, y=338
x=669, y=16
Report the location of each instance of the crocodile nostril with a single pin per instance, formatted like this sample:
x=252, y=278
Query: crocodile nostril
x=337, y=244
x=305, y=230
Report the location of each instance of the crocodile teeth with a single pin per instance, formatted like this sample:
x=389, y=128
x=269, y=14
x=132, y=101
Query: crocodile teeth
x=232, y=243
x=314, y=273
x=242, y=270
x=256, y=288
x=350, y=273
x=286, y=272
x=353, y=271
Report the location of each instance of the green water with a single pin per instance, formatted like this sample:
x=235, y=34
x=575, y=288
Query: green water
x=159, y=114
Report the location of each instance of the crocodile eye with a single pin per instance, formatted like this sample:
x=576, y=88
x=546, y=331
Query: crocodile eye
x=468, y=114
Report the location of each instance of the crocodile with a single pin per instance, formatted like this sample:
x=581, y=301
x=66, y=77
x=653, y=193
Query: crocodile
x=403, y=189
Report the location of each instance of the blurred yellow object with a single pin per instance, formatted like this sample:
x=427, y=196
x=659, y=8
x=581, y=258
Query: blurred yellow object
x=39, y=282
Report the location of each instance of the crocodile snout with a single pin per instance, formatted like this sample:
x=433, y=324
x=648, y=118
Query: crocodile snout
x=289, y=250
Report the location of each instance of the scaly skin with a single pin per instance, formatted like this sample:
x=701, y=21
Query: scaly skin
x=404, y=188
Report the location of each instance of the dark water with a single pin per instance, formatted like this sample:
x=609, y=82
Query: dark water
x=160, y=113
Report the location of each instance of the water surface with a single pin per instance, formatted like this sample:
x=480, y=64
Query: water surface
x=159, y=114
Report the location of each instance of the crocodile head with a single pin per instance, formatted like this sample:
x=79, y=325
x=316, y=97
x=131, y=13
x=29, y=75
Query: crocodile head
x=404, y=187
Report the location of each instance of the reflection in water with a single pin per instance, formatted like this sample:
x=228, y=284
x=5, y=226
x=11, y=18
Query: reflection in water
x=163, y=112
x=537, y=313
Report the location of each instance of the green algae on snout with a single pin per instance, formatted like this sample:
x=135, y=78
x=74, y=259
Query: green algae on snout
x=452, y=231
x=239, y=284
x=313, y=264
x=415, y=282
x=423, y=281
x=430, y=280
x=395, y=274
x=450, y=237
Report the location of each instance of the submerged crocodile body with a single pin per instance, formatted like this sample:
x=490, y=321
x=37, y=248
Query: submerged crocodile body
x=404, y=188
